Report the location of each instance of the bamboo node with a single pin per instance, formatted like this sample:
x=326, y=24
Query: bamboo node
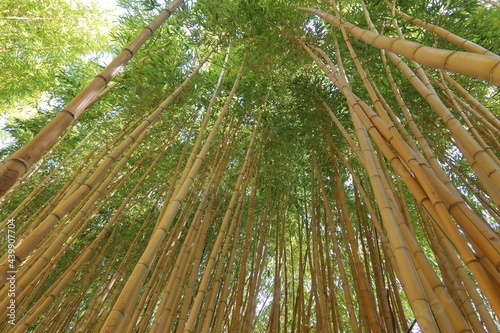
x=490, y=77
x=141, y=263
x=22, y=161
x=71, y=113
x=103, y=77
x=446, y=59
x=129, y=50
x=477, y=153
x=453, y=205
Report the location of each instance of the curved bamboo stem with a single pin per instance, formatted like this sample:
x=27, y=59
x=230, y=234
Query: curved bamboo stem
x=447, y=35
x=485, y=67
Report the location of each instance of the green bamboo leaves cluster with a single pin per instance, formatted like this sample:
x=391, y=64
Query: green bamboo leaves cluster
x=38, y=40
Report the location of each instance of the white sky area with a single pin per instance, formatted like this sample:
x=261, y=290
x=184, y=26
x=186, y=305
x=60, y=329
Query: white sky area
x=109, y=6
x=104, y=4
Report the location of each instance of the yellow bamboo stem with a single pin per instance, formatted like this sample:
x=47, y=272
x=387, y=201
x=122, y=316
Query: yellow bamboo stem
x=447, y=35
x=138, y=276
x=485, y=67
x=19, y=162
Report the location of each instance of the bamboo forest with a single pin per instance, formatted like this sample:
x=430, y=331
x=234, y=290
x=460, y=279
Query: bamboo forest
x=250, y=166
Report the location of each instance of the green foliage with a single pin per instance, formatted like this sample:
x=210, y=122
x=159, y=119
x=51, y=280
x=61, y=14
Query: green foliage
x=41, y=38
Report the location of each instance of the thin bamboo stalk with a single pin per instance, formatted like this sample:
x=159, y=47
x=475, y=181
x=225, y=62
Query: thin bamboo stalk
x=40, y=186
x=19, y=162
x=236, y=316
x=258, y=266
x=192, y=319
x=207, y=220
x=191, y=246
x=222, y=301
x=494, y=120
x=121, y=311
x=20, y=181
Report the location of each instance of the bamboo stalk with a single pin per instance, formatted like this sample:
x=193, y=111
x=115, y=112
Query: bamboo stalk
x=123, y=306
x=447, y=35
x=486, y=67
x=19, y=162
x=26, y=245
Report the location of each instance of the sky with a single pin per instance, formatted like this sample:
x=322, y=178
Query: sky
x=104, y=4
x=108, y=5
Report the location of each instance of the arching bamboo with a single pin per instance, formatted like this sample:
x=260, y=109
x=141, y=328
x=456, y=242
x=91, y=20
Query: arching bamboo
x=486, y=67
x=26, y=245
x=450, y=37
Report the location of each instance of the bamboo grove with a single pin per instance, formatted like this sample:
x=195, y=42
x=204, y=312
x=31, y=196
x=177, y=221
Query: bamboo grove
x=264, y=166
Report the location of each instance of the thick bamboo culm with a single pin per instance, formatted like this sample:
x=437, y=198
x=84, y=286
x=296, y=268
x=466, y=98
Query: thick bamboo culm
x=452, y=38
x=18, y=163
x=452, y=312
x=486, y=66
